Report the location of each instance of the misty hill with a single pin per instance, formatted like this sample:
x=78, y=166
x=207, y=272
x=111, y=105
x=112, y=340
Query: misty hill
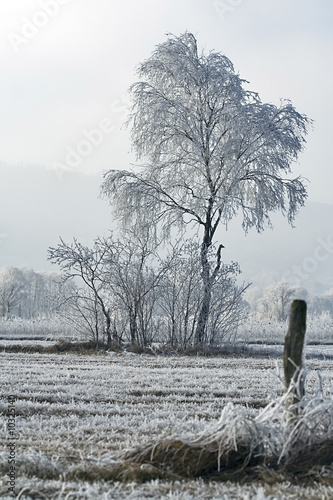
x=38, y=205
x=302, y=255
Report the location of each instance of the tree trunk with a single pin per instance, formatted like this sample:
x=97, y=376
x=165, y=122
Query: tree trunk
x=108, y=328
x=208, y=278
x=133, y=328
x=203, y=315
x=207, y=294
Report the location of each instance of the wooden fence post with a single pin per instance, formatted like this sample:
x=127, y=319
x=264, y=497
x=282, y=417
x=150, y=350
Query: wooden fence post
x=293, y=350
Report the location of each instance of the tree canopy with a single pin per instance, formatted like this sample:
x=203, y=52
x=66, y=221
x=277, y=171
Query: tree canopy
x=208, y=146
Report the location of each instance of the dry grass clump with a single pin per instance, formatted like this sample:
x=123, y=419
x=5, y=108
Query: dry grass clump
x=231, y=444
x=282, y=439
x=60, y=347
x=30, y=348
x=88, y=347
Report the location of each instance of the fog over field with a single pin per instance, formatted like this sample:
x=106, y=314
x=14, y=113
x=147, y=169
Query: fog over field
x=40, y=207
x=67, y=67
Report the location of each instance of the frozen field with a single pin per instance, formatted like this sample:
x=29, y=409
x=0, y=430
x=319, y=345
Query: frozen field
x=77, y=414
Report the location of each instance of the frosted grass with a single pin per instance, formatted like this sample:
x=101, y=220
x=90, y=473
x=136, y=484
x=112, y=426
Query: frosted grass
x=75, y=411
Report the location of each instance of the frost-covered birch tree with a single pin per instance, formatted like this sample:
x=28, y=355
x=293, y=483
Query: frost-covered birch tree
x=207, y=149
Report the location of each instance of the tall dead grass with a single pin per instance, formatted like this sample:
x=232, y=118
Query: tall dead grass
x=282, y=438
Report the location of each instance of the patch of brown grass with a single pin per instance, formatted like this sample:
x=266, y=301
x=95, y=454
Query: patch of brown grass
x=60, y=347
x=279, y=440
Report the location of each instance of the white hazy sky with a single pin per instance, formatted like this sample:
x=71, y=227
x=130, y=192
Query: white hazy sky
x=66, y=66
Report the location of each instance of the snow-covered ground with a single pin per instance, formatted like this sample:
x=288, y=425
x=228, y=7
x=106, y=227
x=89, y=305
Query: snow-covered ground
x=324, y=351
x=74, y=412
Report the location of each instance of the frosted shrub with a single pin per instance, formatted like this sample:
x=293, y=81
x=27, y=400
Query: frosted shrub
x=319, y=329
x=262, y=331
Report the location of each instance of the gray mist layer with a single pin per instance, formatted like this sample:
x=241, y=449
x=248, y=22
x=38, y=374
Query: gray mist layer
x=37, y=207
